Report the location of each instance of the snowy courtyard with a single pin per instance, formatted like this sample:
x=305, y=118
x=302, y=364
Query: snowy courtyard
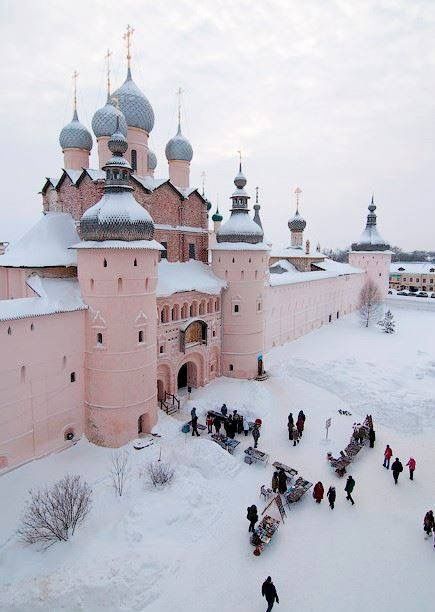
x=186, y=547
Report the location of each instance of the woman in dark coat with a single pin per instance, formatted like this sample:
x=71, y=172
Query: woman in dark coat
x=372, y=437
x=290, y=426
x=252, y=516
x=217, y=424
x=282, y=482
x=255, y=435
x=331, y=495
x=231, y=427
x=318, y=492
x=300, y=426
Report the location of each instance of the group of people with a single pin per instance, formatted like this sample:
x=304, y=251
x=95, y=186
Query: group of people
x=232, y=424
x=279, y=481
x=295, y=430
x=319, y=491
x=396, y=466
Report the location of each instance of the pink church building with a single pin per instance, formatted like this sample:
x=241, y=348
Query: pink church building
x=120, y=296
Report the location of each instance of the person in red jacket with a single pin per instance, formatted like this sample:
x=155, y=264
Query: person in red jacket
x=411, y=465
x=387, y=456
x=318, y=492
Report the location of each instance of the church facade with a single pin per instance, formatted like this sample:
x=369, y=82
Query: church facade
x=121, y=294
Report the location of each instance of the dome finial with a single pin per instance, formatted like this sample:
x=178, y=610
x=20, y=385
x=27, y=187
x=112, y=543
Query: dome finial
x=240, y=159
x=127, y=37
x=179, y=92
x=203, y=183
x=107, y=58
x=74, y=76
x=298, y=192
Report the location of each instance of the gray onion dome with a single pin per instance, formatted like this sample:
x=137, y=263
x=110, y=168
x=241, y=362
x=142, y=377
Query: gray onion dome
x=179, y=148
x=297, y=223
x=152, y=160
x=104, y=120
x=117, y=216
x=134, y=105
x=75, y=135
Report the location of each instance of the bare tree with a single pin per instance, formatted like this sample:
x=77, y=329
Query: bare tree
x=160, y=473
x=53, y=513
x=120, y=470
x=369, y=302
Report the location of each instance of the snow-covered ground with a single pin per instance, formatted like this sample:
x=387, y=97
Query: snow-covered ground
x=187, y=548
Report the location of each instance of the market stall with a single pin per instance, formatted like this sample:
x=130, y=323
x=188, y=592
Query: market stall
x=297, y=490
x=229, y=444
x=254, y=455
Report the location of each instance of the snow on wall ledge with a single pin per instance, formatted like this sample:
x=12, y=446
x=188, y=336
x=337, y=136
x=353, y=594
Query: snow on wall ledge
x=187, y=276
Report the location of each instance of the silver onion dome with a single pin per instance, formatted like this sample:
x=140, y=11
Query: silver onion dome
x=117, y=216
x=104, y=120
x=134, y=105
x=75, y=135
x=152, y=160
x=297, y=223
x=179, y=148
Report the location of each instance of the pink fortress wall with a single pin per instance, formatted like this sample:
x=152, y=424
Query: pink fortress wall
x=38, y=401
x=296, y=309
x=377, y=264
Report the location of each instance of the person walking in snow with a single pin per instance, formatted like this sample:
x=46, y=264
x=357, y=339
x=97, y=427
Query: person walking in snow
x=300, y=426
x=331, y=495
x=282, y=481
x=194, y=423
x=255, y=434
x=296, y=436
x=230, y=427
x=411, y=465
x=372, y=437
x=252, y=516
x=429, y=523
x=275, y=481
x=245, y=426
x=388, y=453
x=301, y=415
x=209, y=421
x=350, y=485
x=290, y=425
x=396, y=468
x=224, y=410
x=193, y=412
x=217, y=424
x=268, y=591
x=318, y=492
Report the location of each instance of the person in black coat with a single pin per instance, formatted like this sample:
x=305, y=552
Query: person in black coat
x=252, y=516
x=268, y=591
x=396, y=468
x=290, y=426
x=230, y=426
x=301, y=415
x=195, y=425
x=224, y=410
x=255, y=434
x=372, y=437
x=217, y=424
x=331, y=495
x=282, y=482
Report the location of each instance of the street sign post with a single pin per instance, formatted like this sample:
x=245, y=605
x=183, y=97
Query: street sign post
x=327, y=425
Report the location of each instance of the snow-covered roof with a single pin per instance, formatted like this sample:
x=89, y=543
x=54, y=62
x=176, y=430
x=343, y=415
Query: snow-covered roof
x=240, y=246
x=175, y=277
x=289, y=251
x=54, y=295
x=119, y=244
x=416, y=267
x=45, y=244
x=95, y=174
x=281, y=266
x=332, y=269
x=181, y=228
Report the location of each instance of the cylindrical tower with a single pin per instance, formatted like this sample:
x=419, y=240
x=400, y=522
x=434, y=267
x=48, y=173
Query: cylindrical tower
x=241, y=258
x=75, y=139
x=297, y=224
x=179, y=154
x=117, y=271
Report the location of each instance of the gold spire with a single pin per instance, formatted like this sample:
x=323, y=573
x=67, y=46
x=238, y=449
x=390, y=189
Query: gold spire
x=127, y=37
x=107, y=58
x=74, y=76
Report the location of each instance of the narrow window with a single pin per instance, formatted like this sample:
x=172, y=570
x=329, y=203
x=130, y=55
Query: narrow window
x=92, y=284
x=338, y=314
x=236, y=308
x=99, y=338
x=64, y=362
x=135, y=263
x=330, y=318
x=242, y=275
x=191, y=251
x=119, y=285
x=162, y=316
x=231, y=367
x=214, y=333
x=164, y=254
x=233, y=259
x=256, y=274
x=133, y=160
x=161, y=349
x=9, y=331
x=32, y=327
x=105, y=263
x=140, y=336
x=259, y=306
x=23, y=373
x=73, y=377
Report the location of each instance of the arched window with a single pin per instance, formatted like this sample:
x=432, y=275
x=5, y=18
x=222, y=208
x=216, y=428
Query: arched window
x=64, y=362
x=134, y=160
x=92, y=284
x=140, y=336
x=135, y=263
x=242, y=275
x=9, y=331
x=162, y=316
x=105, y=263
x=99, y=338
x=23, y=373
x=32, y=327
x=119, y=285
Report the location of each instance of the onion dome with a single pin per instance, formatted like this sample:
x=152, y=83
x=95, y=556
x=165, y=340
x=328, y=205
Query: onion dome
x=297, y=223
x=75, y=135
x=240, y=227
x=208, y=204
x=134, y=105
x=370, y=239
x=217, y=216
x=179, y=148
x=117, y=216
x=152, y=160
x=104, y=121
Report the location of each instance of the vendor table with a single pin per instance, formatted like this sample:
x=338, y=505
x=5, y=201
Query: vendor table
x=228, y=444
x=253, y=455
x=266, y=529
x=282, y=466
x=297, y=490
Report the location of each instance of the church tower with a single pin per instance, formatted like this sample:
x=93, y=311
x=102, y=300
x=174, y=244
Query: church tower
x=372, y=253
x=75, y=140
x=242, y=259
x=117, y=271
x=297, y=224
x=179, y=154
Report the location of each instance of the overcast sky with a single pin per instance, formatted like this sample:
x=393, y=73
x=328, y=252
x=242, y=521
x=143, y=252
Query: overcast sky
x=336, y=96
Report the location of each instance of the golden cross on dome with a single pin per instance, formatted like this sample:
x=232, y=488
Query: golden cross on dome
x=179, y=92
x=297, y=193
x=107, y=58
x=74, y=76
x=127, y=37
x=240, y=156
